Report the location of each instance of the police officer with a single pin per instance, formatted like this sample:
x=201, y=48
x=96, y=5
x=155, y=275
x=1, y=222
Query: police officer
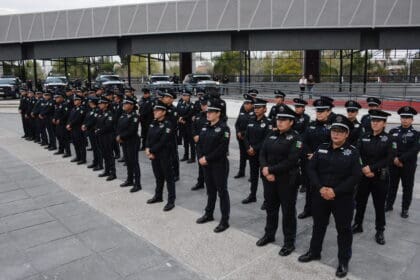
x=167, y=97
x=46, y=114
x=405, y=162
x=377, y=152
x=28, y=111
x=335, y=171
x=59, y=119
x=279, y=160
x=146, y=115
x=197, y=103
x=212, y=150
x=117, y=110
x=352, y=108
x=22, y=111
x=185, y=112
x=35, y=116
x=104, y=130
x=159, y=149
x=373, y=104
x=240, y=126
x=74, y=125
x=279, y=100
x=318, y=132
x=88, y=127
x=257, y=129
x=200, y=120
x=302, y=120
x=127, y=135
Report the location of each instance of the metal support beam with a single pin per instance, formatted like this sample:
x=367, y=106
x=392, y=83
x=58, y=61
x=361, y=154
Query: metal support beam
x=129, y=69
x=341, y=71
x=89, y=74
x=35, y=75
x=365, y=72
x=149, y=72
x=164, y=63
x=351, y=71
x=65, y=67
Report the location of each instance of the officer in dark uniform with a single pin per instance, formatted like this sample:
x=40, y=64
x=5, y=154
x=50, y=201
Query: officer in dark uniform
x=279, y=100
x=59, y=119
x=159, y=149
x=22, y=111
x=28, y=110
x=257, y=129
x=117, y=110
x=335, y=171
x=214, y=93
x=405, y=163
x=74, y=125
x=279, y=160
x=302, y=120
x=377, y=151
x=88, y=127
x=146, y=115
x=42, y=122
x=46, y=114
x=185, y=112
x=127, y=135
x=200, y=120
x=373, y=104
x=168, y=97
x=240, y=126
x=69, y=99
x=104, y=130
x=318, y=132
x=212, y=150
x=352, y=108
x=197, y=103
x=37, y=121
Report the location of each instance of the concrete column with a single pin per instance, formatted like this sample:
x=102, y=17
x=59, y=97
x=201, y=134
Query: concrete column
x=312, y=63
x=185, y=65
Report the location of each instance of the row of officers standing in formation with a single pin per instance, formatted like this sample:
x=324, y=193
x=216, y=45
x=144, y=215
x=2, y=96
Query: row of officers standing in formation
x=337, y=160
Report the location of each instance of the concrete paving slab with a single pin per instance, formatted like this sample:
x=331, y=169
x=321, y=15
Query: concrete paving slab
x=23, y=220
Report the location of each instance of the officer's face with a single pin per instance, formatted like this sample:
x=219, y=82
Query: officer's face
x=339, y=136
x=102, y=106
x=299, y=109
x=92, y=105
x=351, y=114
x=279, y=100
x=77, y=102
x=204, y=107
x=372, y=107
x=377, y=125
x=213, y=116
x=284, y=124
x=322, y=115
x=128, y=107
x=248, y=106
x=159, y=114
x=406, y=121
x=260, y=110
x=186, y=98
x=167, y=100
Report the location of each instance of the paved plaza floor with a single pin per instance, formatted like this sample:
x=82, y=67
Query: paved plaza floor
x=59, y=220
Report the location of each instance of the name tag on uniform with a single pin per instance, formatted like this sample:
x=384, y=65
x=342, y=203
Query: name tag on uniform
x=312, y=127
x=218, y=129
x=273, y=137
x=395, y=134
x=384, y=138
x=263, y=125
x=322, y=151
x=204, y=129
x=251, y=125
x=356, y=125
x=366, y=140
x=289, y=137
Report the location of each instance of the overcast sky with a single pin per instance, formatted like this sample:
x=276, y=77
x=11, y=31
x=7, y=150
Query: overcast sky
x=29, y=6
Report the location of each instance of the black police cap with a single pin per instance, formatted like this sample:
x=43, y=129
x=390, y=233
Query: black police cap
x=167, y=92
x=285, y=112
x=159, y=105
x=214, y=105
x=327, y=98
x=93, y=99
x=342, y=121
x=103, y=100
x=322, y=104
x=407, y=111
x=373, y=101
x=259, y=102
x=77, y=97
x=185, y=92
x=248, y=98
x=129, y=100
x=379, y=114
x=145, y=90
x=279, y=93
x=299, y=102
x=253, y=92
x=352, y=105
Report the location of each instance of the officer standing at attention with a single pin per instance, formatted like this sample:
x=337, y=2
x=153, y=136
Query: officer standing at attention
x=377, y=152
x=279, y=160
x=240, y=127
x=185, y=112
x=22, y=111
x=212, y=150
x=373, y=104
x=28, y=110
x=352, y=108
x=74, y=126
x=259, y=126
x=335, y=171
x=279, y=100
x=89, y=128
x=200, y=120
x=46, y=115
x=127, y=136
x=405, y=162
x=318, y=132
x=146, y=115
x=159, y=149
x=104, y=130
x=61, y=114
x=302, y=120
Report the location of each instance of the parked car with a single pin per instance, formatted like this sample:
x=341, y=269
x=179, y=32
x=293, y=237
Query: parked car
x=56, y=82
x=109, y=81
x=10, y=87
x=193, y=81
x=158, y=81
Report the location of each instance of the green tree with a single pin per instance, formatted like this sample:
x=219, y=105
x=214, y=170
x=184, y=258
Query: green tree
x=228, y=63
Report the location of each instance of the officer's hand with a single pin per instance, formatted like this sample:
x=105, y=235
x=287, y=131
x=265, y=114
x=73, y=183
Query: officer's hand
x=251, y=151
x=57, y=122
x=270, y=177
x=151, y=156
x=370, y=175
x=118, y=139
x=397, y=162
x=366, y=170
x=83, y=127
x=203, y=161
x=309, y=156
x=265, y=171
x=331, y=193
x=196, y=138
x=68, y=127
